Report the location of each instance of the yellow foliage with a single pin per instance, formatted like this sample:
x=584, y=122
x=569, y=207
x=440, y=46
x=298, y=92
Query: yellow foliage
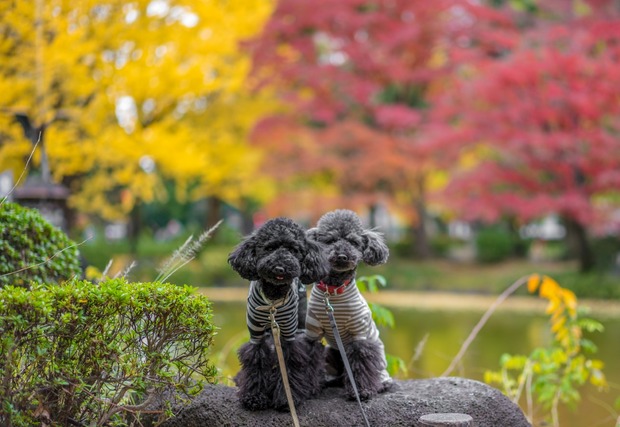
x=439, y=57
x=559, y=324
x=533, y=282
x=92, y=273
x=14, y=147
x=562, y=307
x=549, y=288
x=552, y=374
x=581, y=8
x=437, y=180
x=473, y=155
x=570, y=301
x=134, y=94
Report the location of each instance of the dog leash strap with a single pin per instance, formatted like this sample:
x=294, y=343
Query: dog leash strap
x=275, y=329
x=332, y=320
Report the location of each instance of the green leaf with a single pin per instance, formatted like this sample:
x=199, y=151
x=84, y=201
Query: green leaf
x=591, y=325
x=381, y=315
x=110, y=339
x=395, y=365
x=369, y=283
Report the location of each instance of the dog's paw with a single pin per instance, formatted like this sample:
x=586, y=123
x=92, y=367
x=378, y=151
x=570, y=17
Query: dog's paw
x=334, y=381
x=365, y=394
x=255, y=402
x=280, y=403
x=386, y=386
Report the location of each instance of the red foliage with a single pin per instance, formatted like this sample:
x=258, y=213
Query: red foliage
x=549, y=113
x=361, y=70
x=385, y=91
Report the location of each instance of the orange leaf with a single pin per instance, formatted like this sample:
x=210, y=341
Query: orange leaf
x=533, y=282
x=570, y=300
x=553, y=306
x=559, y=324
x=549, y=288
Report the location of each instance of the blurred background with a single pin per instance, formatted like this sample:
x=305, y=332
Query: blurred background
x=481, y=137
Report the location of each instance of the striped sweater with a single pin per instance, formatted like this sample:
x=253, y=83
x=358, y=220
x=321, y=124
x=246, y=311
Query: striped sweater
x=353, y=319
x=259, y=306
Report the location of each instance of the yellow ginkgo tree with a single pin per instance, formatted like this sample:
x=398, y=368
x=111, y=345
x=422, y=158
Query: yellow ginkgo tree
x=552, y=375
x=123, y=95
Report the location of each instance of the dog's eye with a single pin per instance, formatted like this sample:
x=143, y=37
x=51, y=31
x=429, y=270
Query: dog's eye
x=355, y=241
x=270, y=247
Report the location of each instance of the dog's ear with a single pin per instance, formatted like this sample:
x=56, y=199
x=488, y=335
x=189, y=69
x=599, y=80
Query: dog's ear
x=375, y=250
x=243, y=259
x=315, y=265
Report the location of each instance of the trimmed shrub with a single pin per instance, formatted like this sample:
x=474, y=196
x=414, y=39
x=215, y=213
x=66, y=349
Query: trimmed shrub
x=84, y=354
x=493, y=244
x=32, y=250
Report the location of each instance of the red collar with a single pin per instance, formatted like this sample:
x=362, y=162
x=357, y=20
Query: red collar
x=333, y=290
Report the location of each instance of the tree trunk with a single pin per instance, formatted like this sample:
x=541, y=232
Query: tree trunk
x=214, y=211
x=579, y=245
x=134, y=228
x=372, y=216
x=35, y=135
x=247, y=210
x=71, y=214
x=247, y=222
x=421, y=247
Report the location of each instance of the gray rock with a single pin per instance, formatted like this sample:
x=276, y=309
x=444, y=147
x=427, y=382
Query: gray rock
x=403, y=405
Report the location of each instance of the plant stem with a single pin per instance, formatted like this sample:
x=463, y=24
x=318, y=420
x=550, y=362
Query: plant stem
x=485, y=317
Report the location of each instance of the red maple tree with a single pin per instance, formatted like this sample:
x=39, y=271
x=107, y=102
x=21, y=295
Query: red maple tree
x=358, y=74
x=389, y=91
x=545, y=118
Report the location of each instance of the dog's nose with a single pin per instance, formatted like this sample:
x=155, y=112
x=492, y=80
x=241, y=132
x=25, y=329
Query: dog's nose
x=278, y=270
x=342, y=257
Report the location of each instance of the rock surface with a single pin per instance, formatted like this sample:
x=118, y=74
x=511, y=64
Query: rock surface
x=403, y=405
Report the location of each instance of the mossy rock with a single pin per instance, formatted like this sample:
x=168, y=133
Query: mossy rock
x=32, y=250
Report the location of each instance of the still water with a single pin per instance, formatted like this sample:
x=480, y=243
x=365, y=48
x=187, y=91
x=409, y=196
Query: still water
x=427, y=339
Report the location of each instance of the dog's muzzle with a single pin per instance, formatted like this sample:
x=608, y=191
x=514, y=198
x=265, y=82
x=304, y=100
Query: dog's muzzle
x=344, y=257
x=279, y=268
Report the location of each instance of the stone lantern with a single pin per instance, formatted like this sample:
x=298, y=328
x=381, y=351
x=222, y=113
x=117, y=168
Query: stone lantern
x=48, y=198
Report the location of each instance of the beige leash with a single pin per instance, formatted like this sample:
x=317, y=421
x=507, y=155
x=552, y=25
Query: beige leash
x=275, y=329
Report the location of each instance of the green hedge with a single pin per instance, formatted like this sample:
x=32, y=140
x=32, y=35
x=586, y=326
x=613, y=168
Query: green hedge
x=31, y=249
x=493, y=244
x=99, y=354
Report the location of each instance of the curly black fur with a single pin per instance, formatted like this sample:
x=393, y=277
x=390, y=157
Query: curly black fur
x=256, y=379
x=276, y=253
x=304, y=359
x=274, y=256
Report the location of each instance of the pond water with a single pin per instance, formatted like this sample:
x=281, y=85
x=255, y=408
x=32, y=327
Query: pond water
x=437, y=335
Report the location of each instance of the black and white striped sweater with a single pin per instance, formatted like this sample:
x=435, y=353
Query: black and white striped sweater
x=259, y=307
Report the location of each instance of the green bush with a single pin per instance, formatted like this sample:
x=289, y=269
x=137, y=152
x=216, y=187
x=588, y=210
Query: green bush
x=442, y=243
x=84, y=354
x=32, y=250
x=605, y=251
x=493, y=244
x=594, y=284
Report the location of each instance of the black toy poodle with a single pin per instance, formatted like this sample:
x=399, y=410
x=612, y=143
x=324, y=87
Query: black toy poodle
x=278, y=258
x=348, y=244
